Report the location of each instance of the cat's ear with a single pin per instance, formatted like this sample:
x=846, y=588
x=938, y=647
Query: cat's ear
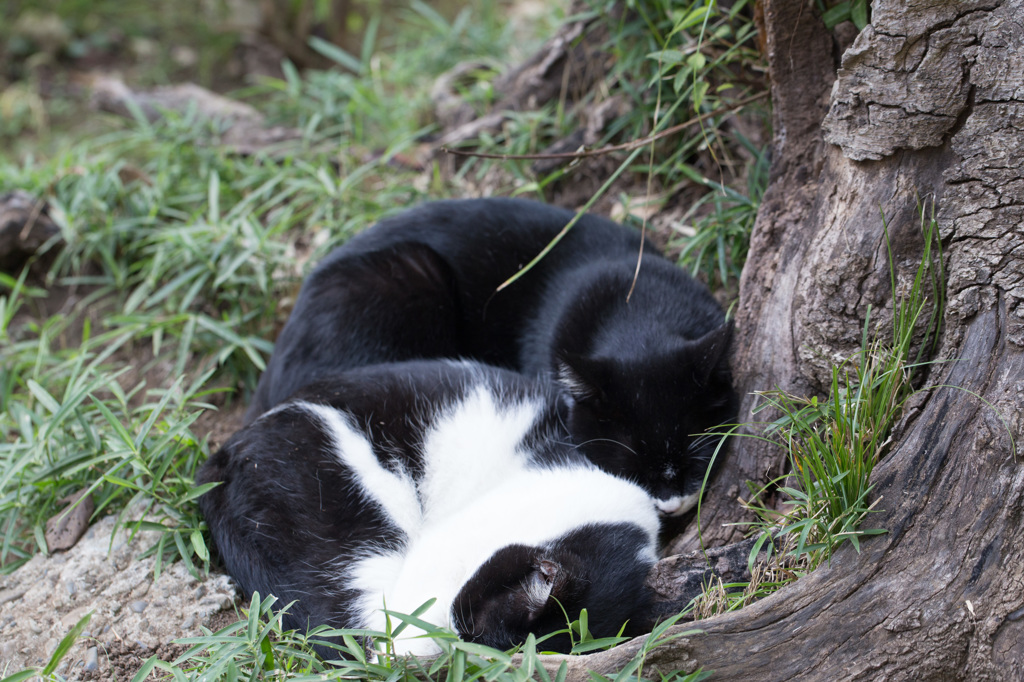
x=583, y=378
x=709, y=353
x=539, y=585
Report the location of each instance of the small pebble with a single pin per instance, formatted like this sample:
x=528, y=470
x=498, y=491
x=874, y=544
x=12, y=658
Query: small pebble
x=12, y=594
x=200, y=592
x=92, y=659
x=188, y=623
x=70, y=584
x=138, y=606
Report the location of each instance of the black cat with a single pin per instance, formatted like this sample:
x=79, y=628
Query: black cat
x=646, y=373
x=393, y=484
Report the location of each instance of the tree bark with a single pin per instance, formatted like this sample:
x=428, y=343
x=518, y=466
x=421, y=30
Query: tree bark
x=928, y=104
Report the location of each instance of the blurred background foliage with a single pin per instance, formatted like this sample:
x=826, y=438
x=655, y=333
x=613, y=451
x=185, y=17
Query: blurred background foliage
x=179, y=255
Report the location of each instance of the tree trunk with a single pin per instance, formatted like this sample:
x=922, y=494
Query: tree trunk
x=928, y=104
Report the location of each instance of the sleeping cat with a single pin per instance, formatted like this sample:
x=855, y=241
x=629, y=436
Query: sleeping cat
x=645, y=373
x=393, y=484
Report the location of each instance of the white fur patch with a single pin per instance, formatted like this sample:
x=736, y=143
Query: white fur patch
x=476, y=496
x=472, y=449
x=395, y=493
x=678, y=505
x=468, y=452
x=373, y=576
x=531, y=508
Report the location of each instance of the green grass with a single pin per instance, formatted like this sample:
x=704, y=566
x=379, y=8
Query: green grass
x=380, y=98
x=715, y=234
x=834, y=12
x=256, y=647
x=180, y=260
x=833, y=444
x=180, y=254
x=671, y=62
x=179, y=276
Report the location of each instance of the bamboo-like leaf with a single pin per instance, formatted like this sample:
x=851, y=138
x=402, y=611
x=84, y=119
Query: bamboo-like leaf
x=43, y=396
x=199, y=545
x=65, y=644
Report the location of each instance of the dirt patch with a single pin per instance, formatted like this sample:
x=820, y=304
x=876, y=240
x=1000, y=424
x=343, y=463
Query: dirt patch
x=133, y=615
x=125, y=659
x=219, y=425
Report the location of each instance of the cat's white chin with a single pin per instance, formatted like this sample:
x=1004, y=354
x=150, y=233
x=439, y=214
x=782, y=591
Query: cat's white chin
x=677, y=505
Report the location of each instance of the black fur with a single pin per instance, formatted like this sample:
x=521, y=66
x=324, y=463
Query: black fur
x=290, y=519
x=591, y=567
x=645, y=374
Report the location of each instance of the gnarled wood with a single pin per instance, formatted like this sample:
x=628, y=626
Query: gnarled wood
x=799, y=51
x=941, y=595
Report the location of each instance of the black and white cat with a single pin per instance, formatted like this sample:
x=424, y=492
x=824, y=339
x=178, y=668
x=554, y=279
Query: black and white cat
x=646, y=373
x=393, y=484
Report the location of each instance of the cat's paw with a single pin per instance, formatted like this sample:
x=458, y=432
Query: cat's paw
x=677, y=505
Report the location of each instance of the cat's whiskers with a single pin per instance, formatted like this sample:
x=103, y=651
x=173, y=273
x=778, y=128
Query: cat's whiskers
x=607, y=440
x=464, y=620
x=701, y=440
